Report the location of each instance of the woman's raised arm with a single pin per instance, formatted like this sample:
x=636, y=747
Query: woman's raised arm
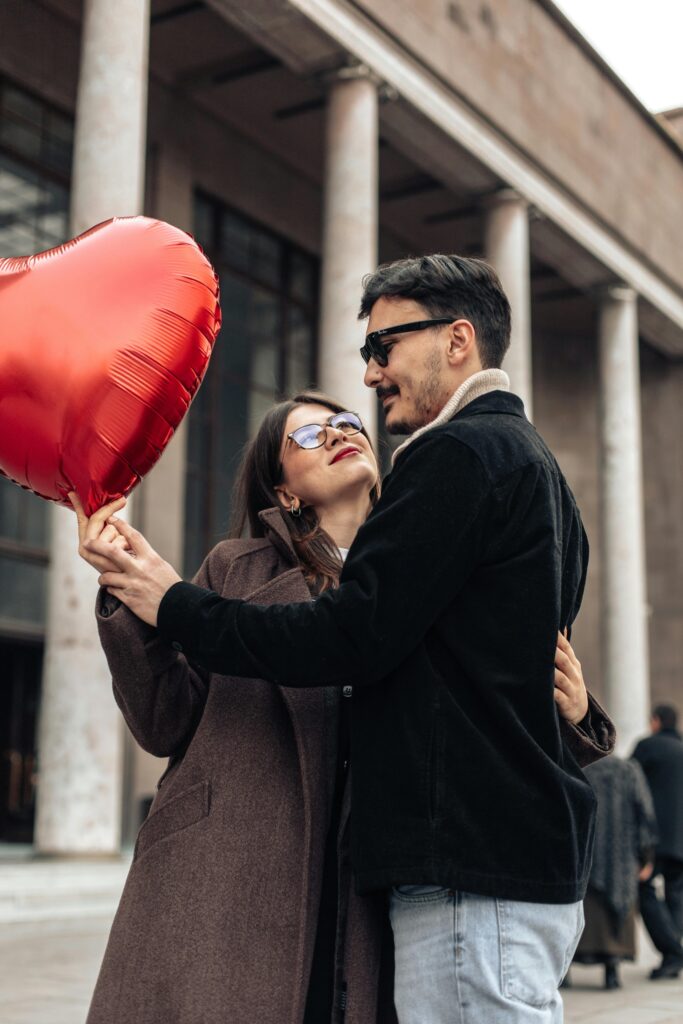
x=159, y=693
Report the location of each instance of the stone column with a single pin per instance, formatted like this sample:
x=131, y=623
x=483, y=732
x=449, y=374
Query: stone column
x=507, y=249
x=80, y=745
x=349, y=235
x=160, y=498
x=622, y=527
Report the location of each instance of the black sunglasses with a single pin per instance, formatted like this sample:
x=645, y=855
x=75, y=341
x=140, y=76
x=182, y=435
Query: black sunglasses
x=374, y=349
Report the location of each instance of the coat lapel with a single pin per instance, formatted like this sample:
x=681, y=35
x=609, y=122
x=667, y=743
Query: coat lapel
x=308, y=708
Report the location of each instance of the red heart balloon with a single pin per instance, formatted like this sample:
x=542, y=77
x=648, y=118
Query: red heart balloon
x=104, y=342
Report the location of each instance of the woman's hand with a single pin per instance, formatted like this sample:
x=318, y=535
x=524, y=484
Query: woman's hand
x=570, y=690
x=97, y=528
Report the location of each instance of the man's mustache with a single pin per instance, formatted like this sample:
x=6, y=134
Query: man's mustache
x=383, y=393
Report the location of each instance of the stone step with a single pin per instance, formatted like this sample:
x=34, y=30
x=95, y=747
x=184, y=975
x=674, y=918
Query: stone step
x=44, y=890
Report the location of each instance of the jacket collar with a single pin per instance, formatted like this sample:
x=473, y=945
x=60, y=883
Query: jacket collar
x=275, y=529
x=496, y=402
x=485, y=382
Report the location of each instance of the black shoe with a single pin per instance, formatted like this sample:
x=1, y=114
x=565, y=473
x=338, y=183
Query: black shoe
x=612, y=977
x=670, y=967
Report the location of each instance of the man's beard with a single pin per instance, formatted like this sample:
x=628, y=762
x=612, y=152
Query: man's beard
x=429, y=399
x=401, y=427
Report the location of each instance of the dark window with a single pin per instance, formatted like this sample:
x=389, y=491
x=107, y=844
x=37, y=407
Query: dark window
x=19, y=696
x=35, y=162
x=265, y=351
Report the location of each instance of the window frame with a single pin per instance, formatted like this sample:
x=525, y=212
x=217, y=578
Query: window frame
x=13, y=548
x=203, y=476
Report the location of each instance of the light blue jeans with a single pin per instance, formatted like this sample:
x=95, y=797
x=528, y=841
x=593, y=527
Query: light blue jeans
x=466, y=959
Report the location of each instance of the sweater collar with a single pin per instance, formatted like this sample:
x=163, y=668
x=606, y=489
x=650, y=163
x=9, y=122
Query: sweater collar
x=481, y=383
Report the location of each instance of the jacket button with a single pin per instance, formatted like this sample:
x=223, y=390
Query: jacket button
x=176, y=646
x=348, y=691
x=104, y=611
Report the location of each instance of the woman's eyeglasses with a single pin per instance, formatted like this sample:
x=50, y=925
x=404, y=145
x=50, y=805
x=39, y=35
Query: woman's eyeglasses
x=314, y=435
x=374, y=349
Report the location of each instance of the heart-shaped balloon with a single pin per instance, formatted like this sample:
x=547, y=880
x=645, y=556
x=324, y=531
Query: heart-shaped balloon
x=104, y=342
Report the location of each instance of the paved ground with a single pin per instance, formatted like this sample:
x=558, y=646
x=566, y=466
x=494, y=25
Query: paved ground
x=640, y=1001
x=49, y=969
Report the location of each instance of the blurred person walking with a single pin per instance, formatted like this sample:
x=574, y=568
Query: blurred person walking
x=661, y=757
x=625, y=837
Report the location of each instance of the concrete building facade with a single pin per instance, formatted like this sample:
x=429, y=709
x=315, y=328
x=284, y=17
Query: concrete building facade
x=301, y=141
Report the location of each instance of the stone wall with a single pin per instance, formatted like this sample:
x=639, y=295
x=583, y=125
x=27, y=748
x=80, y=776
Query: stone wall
x=662, y=409
x=566, y=404
x=567, y=416
x=515, y=63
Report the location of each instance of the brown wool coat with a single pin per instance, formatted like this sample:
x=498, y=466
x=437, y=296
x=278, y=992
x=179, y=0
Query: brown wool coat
x=217, y=920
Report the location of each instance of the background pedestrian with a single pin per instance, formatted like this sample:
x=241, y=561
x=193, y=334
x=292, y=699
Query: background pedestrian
x=625, y=836
x=661, y=757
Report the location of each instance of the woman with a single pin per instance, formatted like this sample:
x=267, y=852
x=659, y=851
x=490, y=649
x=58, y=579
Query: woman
x=239, y=905
x=625, y=836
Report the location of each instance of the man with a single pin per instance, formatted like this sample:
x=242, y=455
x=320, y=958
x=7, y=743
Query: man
x=661, y=758
x=467, y=805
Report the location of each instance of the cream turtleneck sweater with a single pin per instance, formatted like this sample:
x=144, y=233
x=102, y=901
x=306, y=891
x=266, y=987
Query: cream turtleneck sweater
x=478, y=384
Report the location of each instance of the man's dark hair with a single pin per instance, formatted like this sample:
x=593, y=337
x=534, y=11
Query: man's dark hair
x=448, y=286
x=667, y=715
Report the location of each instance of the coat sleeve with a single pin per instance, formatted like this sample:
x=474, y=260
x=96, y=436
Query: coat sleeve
x=593, y=738
x=645, y=813
x=409, y=560
x=160, y=694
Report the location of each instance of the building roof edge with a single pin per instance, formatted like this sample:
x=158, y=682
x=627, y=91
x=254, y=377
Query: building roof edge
x=573, y=32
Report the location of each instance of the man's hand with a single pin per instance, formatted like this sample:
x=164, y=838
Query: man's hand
x=141, y=577
x=97, y=527
x=570, y=689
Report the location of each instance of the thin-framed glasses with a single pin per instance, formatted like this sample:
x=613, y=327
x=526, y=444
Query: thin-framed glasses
x=374, y=349
x=314, y=435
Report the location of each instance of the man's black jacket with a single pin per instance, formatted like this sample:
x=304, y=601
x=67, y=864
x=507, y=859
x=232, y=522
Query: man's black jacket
x=661, y=758
x=446, y=623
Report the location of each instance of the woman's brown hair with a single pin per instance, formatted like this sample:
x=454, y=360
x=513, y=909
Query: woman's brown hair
x=260, y=473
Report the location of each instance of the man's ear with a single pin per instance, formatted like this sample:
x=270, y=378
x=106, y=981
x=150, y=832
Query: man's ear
x=462, y=342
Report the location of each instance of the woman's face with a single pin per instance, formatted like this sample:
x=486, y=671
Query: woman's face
x=343, y=468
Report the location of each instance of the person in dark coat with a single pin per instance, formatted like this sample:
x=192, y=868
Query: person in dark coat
x=661, y=758
x=625, y=835
x=446, y=617
x=239, y=905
